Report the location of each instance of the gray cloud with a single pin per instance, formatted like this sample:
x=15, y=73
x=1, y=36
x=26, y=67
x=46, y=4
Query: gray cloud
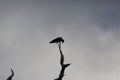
x=90, y=29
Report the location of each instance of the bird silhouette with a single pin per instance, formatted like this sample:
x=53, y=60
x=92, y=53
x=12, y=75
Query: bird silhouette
x=57, y=40
x=10, y=77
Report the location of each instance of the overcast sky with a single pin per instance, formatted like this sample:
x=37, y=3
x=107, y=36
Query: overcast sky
x=91, y=30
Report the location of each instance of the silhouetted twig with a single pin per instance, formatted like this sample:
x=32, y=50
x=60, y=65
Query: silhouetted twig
x=60, y=41
x=10, y=77
x=63, y=66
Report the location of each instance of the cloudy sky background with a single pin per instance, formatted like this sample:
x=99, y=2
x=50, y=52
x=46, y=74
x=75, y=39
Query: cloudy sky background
x=90, y=28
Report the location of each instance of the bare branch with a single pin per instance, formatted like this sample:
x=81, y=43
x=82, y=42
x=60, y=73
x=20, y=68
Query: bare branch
x=10, y=77
x=63, y=66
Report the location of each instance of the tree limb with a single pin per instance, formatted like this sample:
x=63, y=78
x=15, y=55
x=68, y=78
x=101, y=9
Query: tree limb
x=10, y=77
x=63, y=66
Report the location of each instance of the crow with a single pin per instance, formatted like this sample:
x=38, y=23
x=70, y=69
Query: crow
x=57, y=40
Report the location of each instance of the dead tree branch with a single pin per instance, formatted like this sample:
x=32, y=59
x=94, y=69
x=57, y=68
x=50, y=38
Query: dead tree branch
x=59, y=41
x=63, y=66
x=11, y=76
